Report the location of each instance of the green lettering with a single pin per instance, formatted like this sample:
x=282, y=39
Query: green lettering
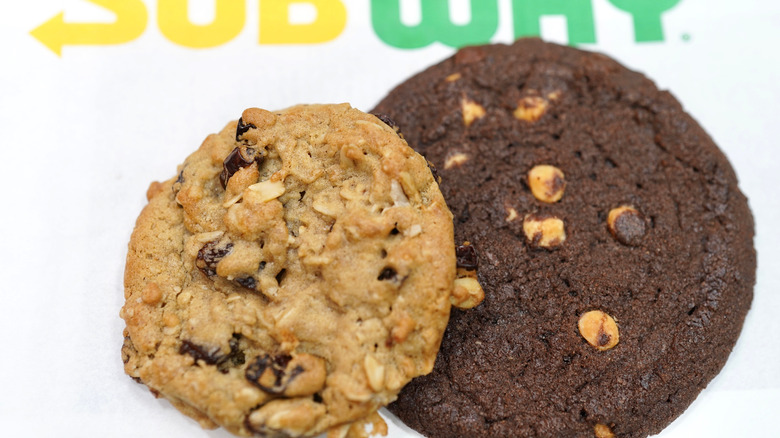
x=435, y=24
x=578, y=13
x=647, y=17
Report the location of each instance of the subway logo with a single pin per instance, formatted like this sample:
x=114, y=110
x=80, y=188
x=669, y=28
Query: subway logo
x=275, y=25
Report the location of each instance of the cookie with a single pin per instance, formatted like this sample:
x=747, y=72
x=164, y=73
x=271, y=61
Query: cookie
x=292, y=277
x=614, y=247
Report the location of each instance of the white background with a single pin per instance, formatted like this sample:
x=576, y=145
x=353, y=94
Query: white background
x=83, y=135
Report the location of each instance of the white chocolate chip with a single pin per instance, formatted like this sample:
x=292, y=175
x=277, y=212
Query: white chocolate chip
x=453, y=77
x=627, y=225
x=471, y=111
x=547, y=183
x=530, y=108
x=599, y=329
x=555, y=95
x=546, y=232
x=456, y=159
x=603, y=431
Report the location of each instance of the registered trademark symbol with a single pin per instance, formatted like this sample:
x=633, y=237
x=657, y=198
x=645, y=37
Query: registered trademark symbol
x=686, y=37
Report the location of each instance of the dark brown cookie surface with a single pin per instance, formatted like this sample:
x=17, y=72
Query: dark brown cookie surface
x=615, y=249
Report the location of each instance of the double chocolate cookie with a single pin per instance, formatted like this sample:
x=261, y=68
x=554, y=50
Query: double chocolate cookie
x=614, y=246
x=293, y=277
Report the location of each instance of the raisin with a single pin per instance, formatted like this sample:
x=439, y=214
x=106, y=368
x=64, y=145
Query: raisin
x=242, y=128
x=234, y=358
x=280, y=376
x=388, y=274
x=210, y=255
x=466, y=256
x=213, y=356
x=176, y=186
x=280, y=276
x=387, y=121
x=247, y=282
x=210, y=356
x=235, y=161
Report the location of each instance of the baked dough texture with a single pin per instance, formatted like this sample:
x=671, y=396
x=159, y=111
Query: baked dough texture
x=292, y=277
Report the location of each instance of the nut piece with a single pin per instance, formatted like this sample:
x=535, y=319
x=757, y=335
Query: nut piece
x=402, y=328
x=545, y=232
x=530, y=108
x=292, y=376
x=627, y=225
x=471, y=111
x=286, y=417
x=370, y=425
x=264, y=191
x=456, y=159
x=599, y=329
x=467, y=293
x=546, y=182
x=151, y=294
x=603, y=431
x=375, y=372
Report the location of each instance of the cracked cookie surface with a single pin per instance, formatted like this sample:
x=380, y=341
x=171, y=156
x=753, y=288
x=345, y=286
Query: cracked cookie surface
x=615, y=248
x=293, y=276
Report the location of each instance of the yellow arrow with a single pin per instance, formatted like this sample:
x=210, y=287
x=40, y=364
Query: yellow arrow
x=131, y=19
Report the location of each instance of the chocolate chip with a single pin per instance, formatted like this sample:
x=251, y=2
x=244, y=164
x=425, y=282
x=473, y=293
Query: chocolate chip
x=271, y=373
x=466, y=257
x=242, y=128
x=388, y=274
x=211, y=254
x=235, y=161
